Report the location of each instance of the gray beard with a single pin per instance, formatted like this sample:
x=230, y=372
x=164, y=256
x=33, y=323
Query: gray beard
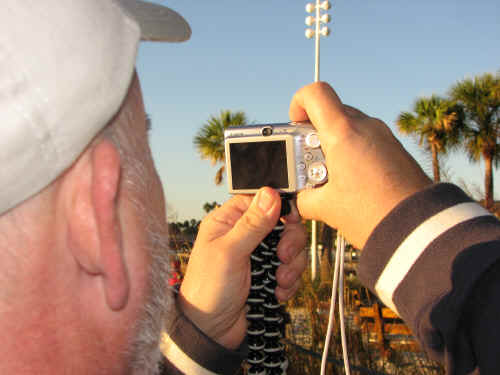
x=159, y=311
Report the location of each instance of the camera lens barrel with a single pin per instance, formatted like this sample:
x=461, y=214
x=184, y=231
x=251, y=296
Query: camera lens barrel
x=267, y=131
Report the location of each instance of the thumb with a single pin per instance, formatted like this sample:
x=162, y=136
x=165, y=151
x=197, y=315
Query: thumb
x=309, y=203
x=256, y=223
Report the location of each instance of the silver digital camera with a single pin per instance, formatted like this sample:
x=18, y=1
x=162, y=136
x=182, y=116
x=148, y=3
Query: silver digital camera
x=286, y=157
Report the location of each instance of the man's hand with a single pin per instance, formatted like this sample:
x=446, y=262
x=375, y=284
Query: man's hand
x=217, y=281
x=369, y=172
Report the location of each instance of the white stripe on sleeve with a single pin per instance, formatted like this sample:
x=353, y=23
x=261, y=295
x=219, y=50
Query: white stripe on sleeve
x=415, y=244
x=180, y=359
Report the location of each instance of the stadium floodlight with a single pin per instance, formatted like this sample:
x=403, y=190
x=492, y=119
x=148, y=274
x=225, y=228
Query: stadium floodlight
x=317, y=31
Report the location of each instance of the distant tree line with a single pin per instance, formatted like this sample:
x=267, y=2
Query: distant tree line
x=182, y=234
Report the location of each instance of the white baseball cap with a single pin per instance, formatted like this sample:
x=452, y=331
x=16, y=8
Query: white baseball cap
x=65, y=68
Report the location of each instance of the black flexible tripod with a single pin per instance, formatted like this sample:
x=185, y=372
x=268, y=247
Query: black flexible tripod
x=265, y=317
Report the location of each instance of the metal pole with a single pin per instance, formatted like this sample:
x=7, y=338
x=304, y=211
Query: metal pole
x=314, y=224
x=314, y=251
x=317, y=36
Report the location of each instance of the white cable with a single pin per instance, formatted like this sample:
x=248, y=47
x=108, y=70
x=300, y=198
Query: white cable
x=341, y=307
x=332, y=311
x=338, y=280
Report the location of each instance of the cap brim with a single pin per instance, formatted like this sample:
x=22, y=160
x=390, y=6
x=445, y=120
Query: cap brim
x=157, y=22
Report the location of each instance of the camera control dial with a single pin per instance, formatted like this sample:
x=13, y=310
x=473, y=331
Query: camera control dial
x=317, y=173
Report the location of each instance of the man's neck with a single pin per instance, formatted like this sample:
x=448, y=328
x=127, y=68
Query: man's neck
x=30, y=342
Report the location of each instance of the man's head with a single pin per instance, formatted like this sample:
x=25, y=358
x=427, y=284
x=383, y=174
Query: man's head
x=82, y=260
x=64, y=71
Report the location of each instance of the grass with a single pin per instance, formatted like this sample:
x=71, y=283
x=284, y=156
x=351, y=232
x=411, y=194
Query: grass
x=312, y=300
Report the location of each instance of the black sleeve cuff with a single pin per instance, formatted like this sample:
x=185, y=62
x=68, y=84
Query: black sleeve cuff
x=192, y=352
x=424, y=258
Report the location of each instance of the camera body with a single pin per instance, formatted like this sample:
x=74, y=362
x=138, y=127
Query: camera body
x=284, y=156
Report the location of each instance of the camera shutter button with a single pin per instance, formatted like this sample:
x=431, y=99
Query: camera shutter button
x=312, y=140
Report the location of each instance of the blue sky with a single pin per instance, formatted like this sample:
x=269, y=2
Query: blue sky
x=253, y=55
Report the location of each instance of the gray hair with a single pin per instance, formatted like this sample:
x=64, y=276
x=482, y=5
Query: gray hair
x=159, y=309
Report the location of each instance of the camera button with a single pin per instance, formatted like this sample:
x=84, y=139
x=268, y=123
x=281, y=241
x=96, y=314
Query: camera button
x=308, y=156
x=301, y=166
x=317, y=173
x=312, y=140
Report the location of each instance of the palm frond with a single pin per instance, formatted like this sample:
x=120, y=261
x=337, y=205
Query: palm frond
x=209, y=140
x=219, y=176
x=407, y=123
x=479, y=98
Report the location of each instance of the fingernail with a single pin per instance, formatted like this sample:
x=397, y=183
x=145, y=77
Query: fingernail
x=265, y=201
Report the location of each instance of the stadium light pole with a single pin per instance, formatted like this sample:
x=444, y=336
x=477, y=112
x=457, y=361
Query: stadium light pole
x=317, y=32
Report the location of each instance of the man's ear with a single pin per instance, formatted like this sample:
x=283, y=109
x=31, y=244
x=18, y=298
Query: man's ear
x=95, y=230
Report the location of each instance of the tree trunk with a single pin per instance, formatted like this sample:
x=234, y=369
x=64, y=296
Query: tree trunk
x=325, y=268
x=435, y=164
x=488, y=182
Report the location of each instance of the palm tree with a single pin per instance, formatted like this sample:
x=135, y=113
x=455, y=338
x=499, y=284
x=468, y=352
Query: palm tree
x=480, y=99
x=436, y=123
x=209, y=141
x=208, y=207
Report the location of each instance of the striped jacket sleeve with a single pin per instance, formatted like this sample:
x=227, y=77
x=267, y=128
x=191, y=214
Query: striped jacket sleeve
x=187, y=350
x=430, y=260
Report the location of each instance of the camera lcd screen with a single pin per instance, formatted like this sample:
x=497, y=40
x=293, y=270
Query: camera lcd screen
x=257, y=164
